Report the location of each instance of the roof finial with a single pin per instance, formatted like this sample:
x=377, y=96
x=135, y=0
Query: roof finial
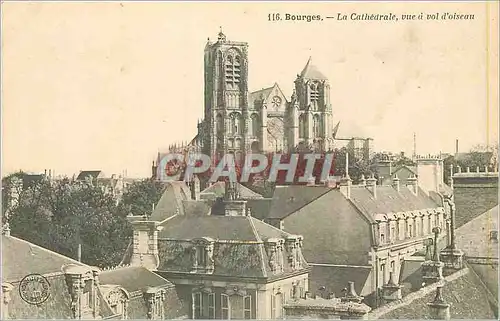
x=222, y=36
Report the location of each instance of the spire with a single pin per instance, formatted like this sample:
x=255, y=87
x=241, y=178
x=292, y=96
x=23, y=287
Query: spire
x=222, y=36
x=311, y=72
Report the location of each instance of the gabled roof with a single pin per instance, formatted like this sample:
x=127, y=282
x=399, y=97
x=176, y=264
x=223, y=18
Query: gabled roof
x=218, y=189
x=20, y=258
x=312, y=72
x=171, y=202
x=264, y=93
x=85, y=174
x=289, y=199
x=133, y=278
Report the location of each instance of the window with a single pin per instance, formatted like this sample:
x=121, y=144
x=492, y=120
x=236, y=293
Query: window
x=255, y=125
x=211, y=306
x=314, y=95
x=382, y=238
x=393, y=233
x=302, y=126
x=200, y=256
x=233, y=70
x=197, y=306
x=224, y=305
x=410, y=230
x=494, y=236
x=393, y=266
x=248, y=306
x=273, y=306
x=316, y=126
x=382, y=272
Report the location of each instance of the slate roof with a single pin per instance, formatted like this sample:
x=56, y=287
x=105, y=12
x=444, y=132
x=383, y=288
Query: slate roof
x=133, y=278
x=84, y=174
x=236, y=228
x=466, y=294
x=238, y=248
x=171, y=201
x=218, y=189
x=288, y=199
x=335, y=278
x=472, y=202
x=312, y=72
x=390, y=200
x=21, y=258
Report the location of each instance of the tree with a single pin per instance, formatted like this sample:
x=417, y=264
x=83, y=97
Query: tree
x=140, y=196
x=60, y=215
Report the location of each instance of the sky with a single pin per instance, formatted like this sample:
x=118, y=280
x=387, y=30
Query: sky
x=106, y=85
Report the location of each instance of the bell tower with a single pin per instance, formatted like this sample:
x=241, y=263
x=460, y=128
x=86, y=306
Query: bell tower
x=315, y=111
x=225, y=123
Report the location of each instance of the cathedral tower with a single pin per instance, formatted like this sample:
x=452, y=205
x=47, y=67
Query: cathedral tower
x=312, y=91
x=225, y=125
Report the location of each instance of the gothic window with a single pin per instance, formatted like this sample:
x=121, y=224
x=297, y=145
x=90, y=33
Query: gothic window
x=316, y=126
x=224, y=306
x=219, y=124
x=235, y=123
x=233, y=70
x=254, y=125
x=302, y=126
x=248, y=306
x=314, y=95
x=237, y=143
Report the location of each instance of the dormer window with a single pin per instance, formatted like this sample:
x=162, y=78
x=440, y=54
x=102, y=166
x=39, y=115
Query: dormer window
x=202, y=255
x=382, y=238
x=494, y=235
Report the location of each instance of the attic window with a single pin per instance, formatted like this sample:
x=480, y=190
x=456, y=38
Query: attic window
x=494, y=235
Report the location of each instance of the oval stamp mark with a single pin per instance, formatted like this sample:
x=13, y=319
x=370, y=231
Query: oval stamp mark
x=34, y=289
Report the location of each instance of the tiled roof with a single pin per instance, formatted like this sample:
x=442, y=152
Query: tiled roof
x=288, y=199
x=260, y=207
x=312, y=72
x=333, y=279
x=21, y=258
x=474, y=237
x=467, y=296
x=218, y=189
x=170, y=202
x=84, y=174
x=389, y=200
x=133, y=278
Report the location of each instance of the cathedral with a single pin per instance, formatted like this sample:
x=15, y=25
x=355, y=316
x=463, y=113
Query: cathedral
x=265, y=121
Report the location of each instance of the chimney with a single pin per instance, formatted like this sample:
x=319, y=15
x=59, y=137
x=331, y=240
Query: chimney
x=371, y=185
x=395, y=182
x=456, y=147
x=450, y=181
x=195, y=188
x=346, y=182
x=350, y=294
x=412, y=184
x=391, y=291
x=362, y=181
x=233, y=205
x=440, y=310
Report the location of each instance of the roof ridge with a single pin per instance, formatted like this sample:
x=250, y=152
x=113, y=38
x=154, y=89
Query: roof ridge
x=261, y=246
x=50, y=251
x=308, y=202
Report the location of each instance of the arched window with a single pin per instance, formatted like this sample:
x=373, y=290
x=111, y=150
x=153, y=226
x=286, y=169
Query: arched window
x=302, y=126
x=219, y=123
x=233, y=69
x=314, y=95
x=235, y=123
x=237, y=143
x=316, y=126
